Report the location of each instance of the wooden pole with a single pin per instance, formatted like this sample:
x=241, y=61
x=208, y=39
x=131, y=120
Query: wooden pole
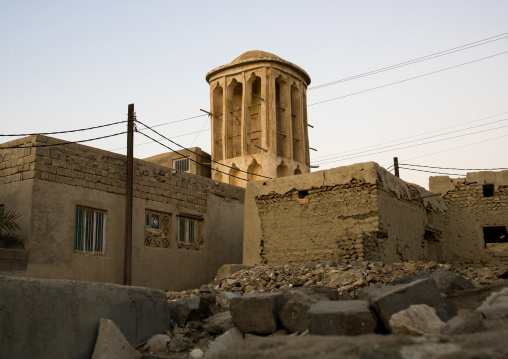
x=396, y=166
x=127, y=274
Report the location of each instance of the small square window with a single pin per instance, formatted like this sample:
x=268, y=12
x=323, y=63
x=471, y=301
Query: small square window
x=182, y=164
x=488, y=190
x=187, y=231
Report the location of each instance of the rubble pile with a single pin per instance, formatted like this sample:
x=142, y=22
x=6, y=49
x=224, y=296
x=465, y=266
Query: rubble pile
x=347, y=279
x=268, y=311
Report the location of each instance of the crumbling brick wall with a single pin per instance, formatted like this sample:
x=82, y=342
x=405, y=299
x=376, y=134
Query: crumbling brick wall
x=358, y=212
x=469, y=211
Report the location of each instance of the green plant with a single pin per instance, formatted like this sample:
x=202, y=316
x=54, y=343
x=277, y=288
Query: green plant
x=8, y=221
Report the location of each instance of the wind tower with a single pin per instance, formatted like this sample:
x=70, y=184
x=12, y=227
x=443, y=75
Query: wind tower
x=259, y=118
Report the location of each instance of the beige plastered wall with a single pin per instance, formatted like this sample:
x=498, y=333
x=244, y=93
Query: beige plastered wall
x=199, y=160
x=469, y=212
x=359, y=212
x=60, y=178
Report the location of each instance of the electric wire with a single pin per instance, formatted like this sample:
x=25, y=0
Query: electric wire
x=403, y=143
x=414, y=61
x=439, y=173
x=64, y=143
x=60, y=132
x=199, y=132
x=168, y=123
x=169, y=148
x=147, y=143
x=456, y=169
x=336, y=159
x=222, y=164
x=405, y=138
x=408, y=79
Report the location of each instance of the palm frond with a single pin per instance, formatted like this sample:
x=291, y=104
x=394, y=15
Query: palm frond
x=8, y=220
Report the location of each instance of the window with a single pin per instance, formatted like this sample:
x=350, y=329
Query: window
x=181, y=164
x=188, y=231
x=496, y=234
x=90, y=230
x=157, y=229
x=488, y=190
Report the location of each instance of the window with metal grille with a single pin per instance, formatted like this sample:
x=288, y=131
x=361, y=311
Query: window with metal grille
x=90, y=230
x=187, y=231
x=181, y=164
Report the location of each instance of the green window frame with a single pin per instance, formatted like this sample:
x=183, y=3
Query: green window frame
x=89, y=230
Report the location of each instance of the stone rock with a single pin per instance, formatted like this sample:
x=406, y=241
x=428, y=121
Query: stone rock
x=465, y=322
x=449, y=282
x=423, y=291
x=158, y=344
x=196, y=354
x=229, y=269
x=111, y=344
x=218, y=323
x=179, y=343
x=293, y=314
x=345, y=317
x=318, y=292
x=416, y=320
x=224, y=341
x=411, y=278
x=472, y=298
x=181, y=309
x=496, y=305
x=223, y=299
x=194, y=308
x=257, y=313
x=484, y=345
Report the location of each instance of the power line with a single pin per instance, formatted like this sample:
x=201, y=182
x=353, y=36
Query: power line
x=423, y=134
x=168, y=123
x=200, y=155
x=439, y=173
x=457, y=169
x=64, y=143
x=60, y=132
x=147, y=143
x=408, y=79
x=456, y=148
x=414, y=61
x=415, y=145
x=199, y=132
x=169, y=148
x=421, y=139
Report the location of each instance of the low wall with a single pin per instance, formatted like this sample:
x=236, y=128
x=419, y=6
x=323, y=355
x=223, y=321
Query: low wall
x=41, y=318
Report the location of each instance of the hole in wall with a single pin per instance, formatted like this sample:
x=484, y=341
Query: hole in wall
x=303, y=194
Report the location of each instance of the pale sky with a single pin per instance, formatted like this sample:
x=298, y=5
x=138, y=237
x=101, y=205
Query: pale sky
x=74, y=64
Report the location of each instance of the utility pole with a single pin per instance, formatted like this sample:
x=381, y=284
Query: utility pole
x=396, y=166
x=127, y=270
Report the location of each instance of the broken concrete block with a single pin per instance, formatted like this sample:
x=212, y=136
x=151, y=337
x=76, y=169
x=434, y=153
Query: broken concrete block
x=418, y=319
x=466, y=321
x=218, y=323
x=400, y=297
x=257, y=313
x=293, y=314
x=345, y=317
x=223, y=299
x=319, y=292
x=158, y=344
x=111, y=344
x=180, y=343
x=449, y=282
